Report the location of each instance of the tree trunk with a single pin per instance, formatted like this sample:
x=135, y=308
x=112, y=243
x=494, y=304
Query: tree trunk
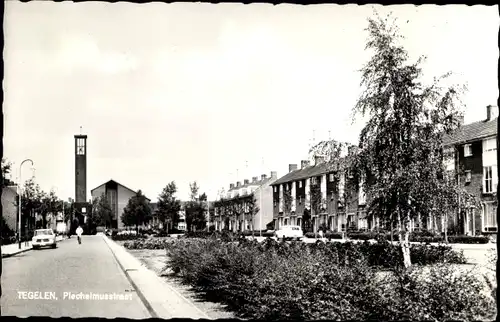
x=445, y=222
x=404, y=238
x=392, y=230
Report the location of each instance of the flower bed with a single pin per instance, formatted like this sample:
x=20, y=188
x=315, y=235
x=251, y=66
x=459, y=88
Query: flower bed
x=276, y=281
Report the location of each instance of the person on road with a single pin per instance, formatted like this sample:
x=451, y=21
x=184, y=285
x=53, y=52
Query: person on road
x=79, y=232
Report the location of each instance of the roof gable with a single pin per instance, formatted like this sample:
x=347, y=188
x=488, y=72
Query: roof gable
x=111, y=180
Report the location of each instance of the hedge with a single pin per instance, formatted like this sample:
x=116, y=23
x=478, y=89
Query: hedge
x=128, y=237
x=226, y=235
x=257, y=233
x=281, y=281
x=151, y=243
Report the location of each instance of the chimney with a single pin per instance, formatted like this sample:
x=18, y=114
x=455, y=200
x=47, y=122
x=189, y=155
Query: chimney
x=292, y=167
x=238, y=184
x=254, y=179
x=246, y=181
x=491, y=112
x=461, y=120
x=304, y=164
x=318, y=159
x=274, y=174
x=262, y=177
x=231, y=186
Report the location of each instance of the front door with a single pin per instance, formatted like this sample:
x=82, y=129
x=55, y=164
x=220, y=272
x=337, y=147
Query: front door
x=351, y=221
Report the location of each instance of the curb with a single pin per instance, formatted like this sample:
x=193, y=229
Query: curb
x=150, y=287
x=16, y=253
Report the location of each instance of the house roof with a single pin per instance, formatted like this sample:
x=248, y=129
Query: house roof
x=111, y=180
x=472, y=132
x=257, y=183
x=307, y=172
x=312, y=171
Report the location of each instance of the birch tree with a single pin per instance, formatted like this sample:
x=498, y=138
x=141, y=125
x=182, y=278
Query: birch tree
x=401, y=144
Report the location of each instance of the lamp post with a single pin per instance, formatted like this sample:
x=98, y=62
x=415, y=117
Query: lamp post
x=20, y=199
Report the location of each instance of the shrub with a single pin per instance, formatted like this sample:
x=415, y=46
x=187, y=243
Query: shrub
x=257, y=233
x=468, y=239
x=150, y=243
x=127, y=237
x=333, y=235
x=161, y=234
x=439, y=293
x=275, y=281
x=198, y=234
x=425, y=255
x=362, y=235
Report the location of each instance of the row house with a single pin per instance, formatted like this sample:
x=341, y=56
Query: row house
x=325, y=193
x=246, y=206
x=473, y=155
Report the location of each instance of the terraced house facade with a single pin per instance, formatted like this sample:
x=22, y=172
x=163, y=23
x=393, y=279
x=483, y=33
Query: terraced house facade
x=322, y=195
x=246, y=206
x=474, y=149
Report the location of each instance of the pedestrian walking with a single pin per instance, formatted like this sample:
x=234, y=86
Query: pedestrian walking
x=79, y=232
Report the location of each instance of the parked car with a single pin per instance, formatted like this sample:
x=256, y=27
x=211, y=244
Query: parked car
x=44, y=238
x=289, y=232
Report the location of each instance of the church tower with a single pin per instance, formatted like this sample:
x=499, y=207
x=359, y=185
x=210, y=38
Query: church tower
x=80, y=205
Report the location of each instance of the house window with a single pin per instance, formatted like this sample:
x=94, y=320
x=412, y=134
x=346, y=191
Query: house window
x=490, y=218
x=331, y=177
x=468, y=176
x=490, y=145
x=488, y=179
x=341, y=187
x=300, y=184
x=314, y=180
x=363, y=223
x=467, y=150
x=275, y=189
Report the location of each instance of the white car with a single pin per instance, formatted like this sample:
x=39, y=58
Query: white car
x=290, y=232
x=44, y=238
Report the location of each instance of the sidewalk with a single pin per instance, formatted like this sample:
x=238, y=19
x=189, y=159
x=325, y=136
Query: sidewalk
x=13, y=249
x=160, y=299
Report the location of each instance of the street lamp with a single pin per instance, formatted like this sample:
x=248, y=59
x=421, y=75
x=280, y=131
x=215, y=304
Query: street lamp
x=20, y=199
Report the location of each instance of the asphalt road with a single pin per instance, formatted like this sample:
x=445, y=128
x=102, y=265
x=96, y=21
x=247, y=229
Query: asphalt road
x=61, y=273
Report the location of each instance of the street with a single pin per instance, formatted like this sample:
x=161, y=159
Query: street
x=39, y=283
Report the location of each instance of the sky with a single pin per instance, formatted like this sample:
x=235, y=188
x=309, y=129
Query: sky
x=212, y=93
